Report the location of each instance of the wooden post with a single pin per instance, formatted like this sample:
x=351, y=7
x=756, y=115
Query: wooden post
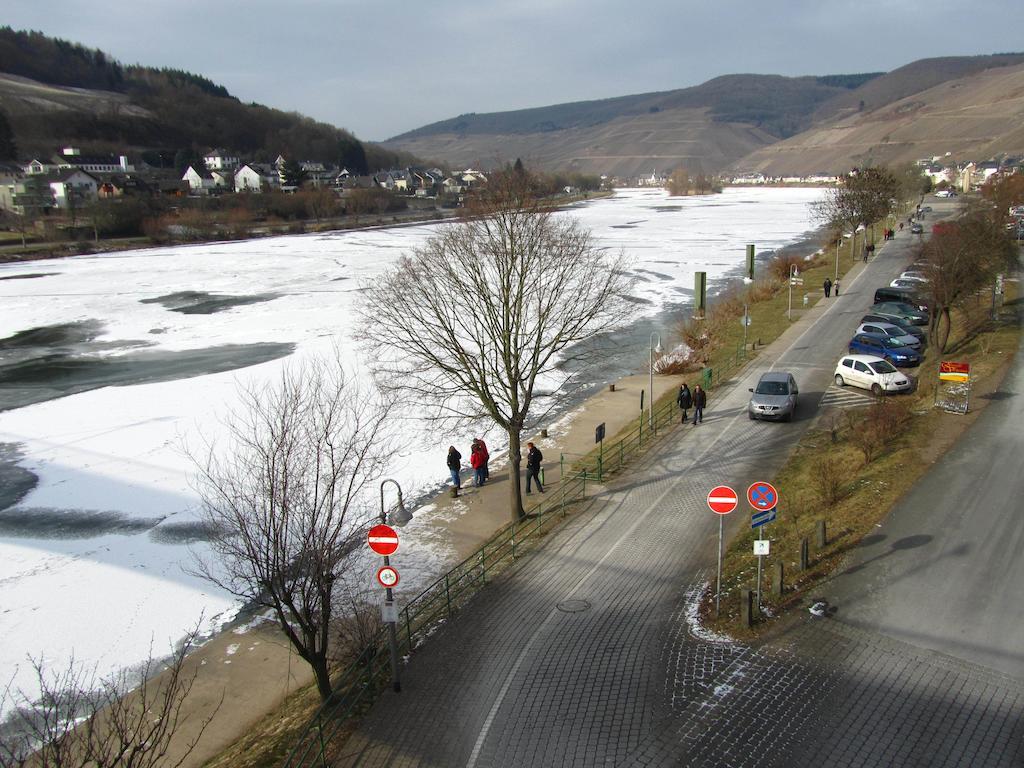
x=747, y=607
x=822, y=538
x=804, y=560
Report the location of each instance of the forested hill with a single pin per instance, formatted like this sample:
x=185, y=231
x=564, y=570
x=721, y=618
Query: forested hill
x=161, y=112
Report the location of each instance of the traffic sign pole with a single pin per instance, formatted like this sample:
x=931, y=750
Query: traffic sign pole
x=760, y=558
x=721, y=500
x=718, y=587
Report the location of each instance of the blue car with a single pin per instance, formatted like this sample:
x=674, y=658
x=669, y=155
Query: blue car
x=887, y=347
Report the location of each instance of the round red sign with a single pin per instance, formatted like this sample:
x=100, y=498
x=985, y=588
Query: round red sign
x=383, y=540
x=762, y=496
x=387, y=576
x=722, y=500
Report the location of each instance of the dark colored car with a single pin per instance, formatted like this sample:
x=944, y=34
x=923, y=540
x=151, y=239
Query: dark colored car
x=906, y=314
x=903, y=325
x=893, y=350
x=916, y=229
x=906, y=295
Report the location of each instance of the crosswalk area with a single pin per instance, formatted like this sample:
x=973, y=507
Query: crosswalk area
x=845, y=397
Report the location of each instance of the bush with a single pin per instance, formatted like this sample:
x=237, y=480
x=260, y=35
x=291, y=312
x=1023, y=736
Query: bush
x=830, y=475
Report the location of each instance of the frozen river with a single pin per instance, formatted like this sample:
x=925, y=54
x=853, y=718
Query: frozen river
x=109, y=364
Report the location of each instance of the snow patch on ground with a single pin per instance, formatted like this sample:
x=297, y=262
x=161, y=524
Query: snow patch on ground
x=693, y=599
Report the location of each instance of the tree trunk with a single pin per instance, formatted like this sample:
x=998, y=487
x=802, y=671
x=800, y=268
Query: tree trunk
x=943, y=329
x=323, y=676
x=514, y=475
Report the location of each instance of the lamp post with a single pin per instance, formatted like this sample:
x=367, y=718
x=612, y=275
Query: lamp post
x=793, y=272
x=650, y=412
x=399, y=517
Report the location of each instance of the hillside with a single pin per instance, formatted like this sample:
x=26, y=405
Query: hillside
x=977, y=116
x=56, y=93
x=729, y=122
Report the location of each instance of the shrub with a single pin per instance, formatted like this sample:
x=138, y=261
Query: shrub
x=829, y=475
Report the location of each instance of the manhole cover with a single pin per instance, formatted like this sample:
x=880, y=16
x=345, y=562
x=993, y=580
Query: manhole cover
x=574, y=606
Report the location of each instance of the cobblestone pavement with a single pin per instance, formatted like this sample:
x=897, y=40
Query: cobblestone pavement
x=583, y=656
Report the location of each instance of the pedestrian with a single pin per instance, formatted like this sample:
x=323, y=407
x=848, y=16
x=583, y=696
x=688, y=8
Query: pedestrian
x=684, y=400
x=533, y=459
x=828, y=287
x=487, y=459
x=901, y=226
x=455, y=466
x=835, y=286
x=700, y=400
x=476, y=461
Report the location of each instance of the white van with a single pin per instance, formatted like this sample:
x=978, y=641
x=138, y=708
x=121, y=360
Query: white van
x=870, y=372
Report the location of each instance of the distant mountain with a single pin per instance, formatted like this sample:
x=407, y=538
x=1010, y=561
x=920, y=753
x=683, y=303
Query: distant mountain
x=57, y=93
x=709, y=127
x=974, y=116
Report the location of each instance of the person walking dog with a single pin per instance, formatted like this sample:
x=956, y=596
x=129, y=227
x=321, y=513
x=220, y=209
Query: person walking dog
x=684, y=400
x=700, y=401
x=533, y=459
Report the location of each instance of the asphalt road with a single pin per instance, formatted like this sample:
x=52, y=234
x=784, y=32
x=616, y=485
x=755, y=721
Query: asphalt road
x=946, y=569
x=585, y=656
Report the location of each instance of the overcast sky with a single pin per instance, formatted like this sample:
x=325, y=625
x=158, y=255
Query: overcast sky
x=382, y=67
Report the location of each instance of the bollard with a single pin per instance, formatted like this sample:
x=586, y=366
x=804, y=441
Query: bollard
x=803, y=554
x=611, y=387
x=747, y=607
x=777, y=584
x=543, y=433
x=822, y=538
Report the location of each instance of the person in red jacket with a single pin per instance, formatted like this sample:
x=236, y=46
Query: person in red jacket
x=487, y=458
x=476, y=460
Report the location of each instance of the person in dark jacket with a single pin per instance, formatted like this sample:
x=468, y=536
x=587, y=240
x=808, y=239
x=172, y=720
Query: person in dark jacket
x=828, y=287
x=700, y=400
x=476, y=460
x=533, y=459
x=684, y=400
x=455, y=465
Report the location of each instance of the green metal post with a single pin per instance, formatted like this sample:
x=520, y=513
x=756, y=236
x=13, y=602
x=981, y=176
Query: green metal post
x=447, y=596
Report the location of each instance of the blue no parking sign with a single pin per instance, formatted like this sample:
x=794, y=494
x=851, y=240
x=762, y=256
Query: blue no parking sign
x=762, y=496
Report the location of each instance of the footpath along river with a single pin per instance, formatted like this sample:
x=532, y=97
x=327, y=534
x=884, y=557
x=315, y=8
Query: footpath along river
x=111, y=363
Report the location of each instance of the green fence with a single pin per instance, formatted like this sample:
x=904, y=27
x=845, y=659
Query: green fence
x=357, y=687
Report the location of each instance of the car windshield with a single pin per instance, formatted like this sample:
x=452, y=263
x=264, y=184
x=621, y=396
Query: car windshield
x=882, y=367
x=889, y=341
x=772, y=388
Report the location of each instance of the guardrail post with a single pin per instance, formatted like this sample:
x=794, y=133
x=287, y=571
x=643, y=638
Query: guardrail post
x=562, y=483
x=408, y=630
x=447, y=595
x=513, y=539
x=600, y=469
x=483, y=566
x=561, y=467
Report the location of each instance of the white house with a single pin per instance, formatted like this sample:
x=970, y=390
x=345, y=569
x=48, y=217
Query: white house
x=200, y=181
x=255, y=177
x=72, y=187
x=72, y=157
x=220, y=160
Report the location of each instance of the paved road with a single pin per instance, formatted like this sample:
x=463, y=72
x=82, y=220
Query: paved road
x=585, y=656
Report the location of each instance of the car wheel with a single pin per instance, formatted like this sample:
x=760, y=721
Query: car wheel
x=751, y=416
x=839, y=381
x=788, y=416
x=876, y=390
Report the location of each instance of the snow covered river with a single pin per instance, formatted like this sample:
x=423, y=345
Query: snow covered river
x=110, y=363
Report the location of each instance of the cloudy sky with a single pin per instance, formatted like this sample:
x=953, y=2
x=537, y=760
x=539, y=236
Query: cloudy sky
x=381, y=67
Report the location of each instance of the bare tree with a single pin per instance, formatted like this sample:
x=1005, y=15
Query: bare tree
x=864, y=196
x=127, y=720
x=486, y=313
x=287, y=498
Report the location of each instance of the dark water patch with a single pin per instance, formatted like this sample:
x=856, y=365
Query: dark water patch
x=638, y=300
x=183, y=533
x=49, y=523
x=339, y=279
x=659, y=275
x=203, y=303
x=61, y=335
x=28, y=276
x=666, y=208
x=56, y=375
x=623, y=226
x=15, y=481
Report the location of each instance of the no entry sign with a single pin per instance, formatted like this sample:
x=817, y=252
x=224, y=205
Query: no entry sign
x=383, y=540
x=762, y=496
x=722, y=500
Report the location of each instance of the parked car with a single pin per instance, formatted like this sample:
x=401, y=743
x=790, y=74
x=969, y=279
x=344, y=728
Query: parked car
x=774, y=397
x=910, y=296
x=916, y=228
x=879, y=345
x=893, y=331
x=903, y=325
x=906, y=313
x=926, y=209
x=870, y=372
x=908, y=282
x=945, y=193
x=914, y=274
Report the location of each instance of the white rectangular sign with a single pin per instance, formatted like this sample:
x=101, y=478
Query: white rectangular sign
x=762, y=547
x=389, y=613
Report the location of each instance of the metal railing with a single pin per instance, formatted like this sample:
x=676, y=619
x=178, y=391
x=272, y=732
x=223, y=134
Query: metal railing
x=369, y=674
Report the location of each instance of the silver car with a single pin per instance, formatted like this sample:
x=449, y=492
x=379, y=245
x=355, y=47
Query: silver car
x=893, y=331
x=774, y=397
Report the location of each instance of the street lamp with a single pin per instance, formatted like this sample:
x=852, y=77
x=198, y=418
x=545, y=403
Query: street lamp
x=793, y=272
x=399, y=517
x=650, y=413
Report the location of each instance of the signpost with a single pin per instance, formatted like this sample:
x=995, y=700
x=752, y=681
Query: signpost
x=721, y=500
x=764, y=499
x=387, y=576
x=953, y=393
x=383, y=539
x=599, y=439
